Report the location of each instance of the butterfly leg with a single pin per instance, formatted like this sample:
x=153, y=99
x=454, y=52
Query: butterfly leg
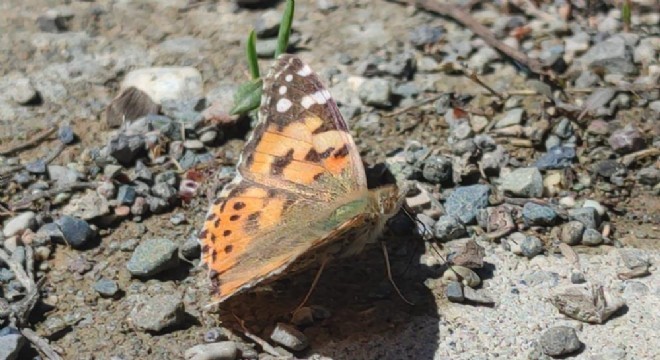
x=389, y=274
x=314, y=282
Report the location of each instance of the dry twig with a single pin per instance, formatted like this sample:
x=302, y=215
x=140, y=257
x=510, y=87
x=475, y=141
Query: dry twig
x=24, y=203
x=37, y=138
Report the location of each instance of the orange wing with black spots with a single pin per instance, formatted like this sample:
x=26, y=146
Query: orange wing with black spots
x=299, y=159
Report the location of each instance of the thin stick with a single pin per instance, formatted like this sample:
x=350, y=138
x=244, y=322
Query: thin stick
x=41, y=344
x=465, y=19
x=37, y=138
x=24, y=203
x=389, y=274
x=314, y=282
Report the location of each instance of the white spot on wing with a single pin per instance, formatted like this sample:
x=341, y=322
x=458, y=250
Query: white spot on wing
x=304, y=71
x=283, y=105
x=319, y=97
x=282, y=90
x=288, y=77
x=307, y=101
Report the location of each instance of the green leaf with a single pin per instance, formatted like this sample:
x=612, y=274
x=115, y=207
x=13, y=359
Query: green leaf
x=626, y=13
x=247, y=97
x=285, y=28
x=251, y=51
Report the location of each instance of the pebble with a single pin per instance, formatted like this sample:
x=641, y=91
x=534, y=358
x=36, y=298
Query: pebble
x=577, y=277
x=531, y=246
x=153, y=256
x=217, y=334
x=586, y=304
x=36, y=167
x=557, y=157
x=425, y=35
x=454, y=292
x=449, y=227
x=62, y=175
x=126, y=195
x=559, y=341
x=524, y=182
x=600, y=209
x=190, y=249
x=142, y=173
x=627, y=140
x=634, y=258
x=586, y=215
x=165, y=192
x=303, y=316
x=289, y=337
x=571, y=232
x=126, y=149
x=158, y=312
x=648, y=176
x=193, y=144
x=22, y=91
x=375, y=92
x=19, y=223
x=224, y=350
x=11, y=343
x=535, y=214
x=511, y=117
x=268, y=24
x=65, y=134
x=106, y=287
x=611, y=55
x=465, y=201
x=166, y=83
x=76, y=232
x=469, y=255
x=646, y=52
x=437, y=170
x=462, y=274
x=478, y=296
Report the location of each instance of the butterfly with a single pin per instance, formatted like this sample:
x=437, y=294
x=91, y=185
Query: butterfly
x=300, y=193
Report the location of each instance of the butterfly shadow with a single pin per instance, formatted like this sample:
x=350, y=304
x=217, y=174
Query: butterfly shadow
x=357, y=312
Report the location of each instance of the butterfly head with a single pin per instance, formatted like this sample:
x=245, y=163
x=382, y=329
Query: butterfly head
x=387, y=200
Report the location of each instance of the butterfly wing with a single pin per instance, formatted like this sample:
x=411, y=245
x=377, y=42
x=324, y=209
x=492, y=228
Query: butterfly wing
x=298, y=162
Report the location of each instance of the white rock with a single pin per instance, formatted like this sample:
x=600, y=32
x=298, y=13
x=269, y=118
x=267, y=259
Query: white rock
x=163, y=83
x=18, y=223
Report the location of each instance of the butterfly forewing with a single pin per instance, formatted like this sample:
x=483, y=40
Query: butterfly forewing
x=297, y=167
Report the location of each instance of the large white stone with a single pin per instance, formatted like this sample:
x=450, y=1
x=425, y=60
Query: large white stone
x=166, y=83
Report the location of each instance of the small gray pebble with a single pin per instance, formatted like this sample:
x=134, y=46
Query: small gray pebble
x=106, y=287
x=454, y=292
x=559, y=340
x=289, y=337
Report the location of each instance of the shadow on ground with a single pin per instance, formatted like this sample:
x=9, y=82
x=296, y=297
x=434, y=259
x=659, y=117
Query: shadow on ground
x=368, y=320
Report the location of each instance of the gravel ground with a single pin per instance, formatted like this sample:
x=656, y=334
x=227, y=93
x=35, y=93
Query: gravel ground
x=538, y=186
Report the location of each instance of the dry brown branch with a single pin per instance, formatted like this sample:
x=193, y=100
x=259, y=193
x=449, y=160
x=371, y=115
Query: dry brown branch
x=24, y=203
x=35, y=139
x=465, y=19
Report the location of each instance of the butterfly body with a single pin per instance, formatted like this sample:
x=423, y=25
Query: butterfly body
x=300, y=194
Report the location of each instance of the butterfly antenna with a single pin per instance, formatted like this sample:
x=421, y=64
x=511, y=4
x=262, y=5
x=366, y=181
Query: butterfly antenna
x=389, y=274
x=314, y=282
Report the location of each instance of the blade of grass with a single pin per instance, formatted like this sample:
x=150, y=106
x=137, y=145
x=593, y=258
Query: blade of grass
x=251, y=52
x=247, y=97
x=285, y=28
x=626, y=14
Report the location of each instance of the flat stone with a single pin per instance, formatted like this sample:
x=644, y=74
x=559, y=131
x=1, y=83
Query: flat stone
x=449, y=227
x=464, y=202
x=19, y=223
x=586, y=215
x=162, y=83
x=454, y=292
x=375, y=92
x=157, y=313
x=571, y=232
x=76, y=232
x=559, y=340
x=478, y=296
x=289, y=337
x=153, y=256
x=511, y=117
x=557, y=157
x=223, y=350
x=11, y=344
x=535, y=214
x=612, y=55
x=525, y=182
x=106, y=287
x=89, y=206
